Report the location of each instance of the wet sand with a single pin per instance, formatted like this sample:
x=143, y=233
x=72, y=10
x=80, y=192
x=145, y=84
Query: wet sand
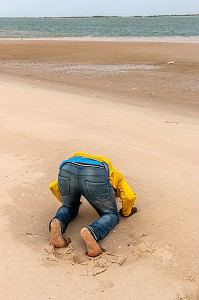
x=153, y=139
x=124, y=71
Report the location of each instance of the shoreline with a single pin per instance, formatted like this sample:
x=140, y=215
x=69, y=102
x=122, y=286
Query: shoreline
x=152, y=39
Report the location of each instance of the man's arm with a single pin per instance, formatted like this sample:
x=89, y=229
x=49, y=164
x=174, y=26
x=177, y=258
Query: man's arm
x=53, y=186
x=127, y=197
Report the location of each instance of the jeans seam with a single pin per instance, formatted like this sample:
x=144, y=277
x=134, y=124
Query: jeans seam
x=93, y=233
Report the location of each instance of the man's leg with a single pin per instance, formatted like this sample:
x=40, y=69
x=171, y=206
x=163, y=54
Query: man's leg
x=70, y=196
x=102, y=226
x=99, y=229
x=97, y=189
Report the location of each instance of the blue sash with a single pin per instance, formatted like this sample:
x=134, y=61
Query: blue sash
x=83, y=160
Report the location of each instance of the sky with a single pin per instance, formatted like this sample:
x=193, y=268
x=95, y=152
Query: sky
x=66, y=8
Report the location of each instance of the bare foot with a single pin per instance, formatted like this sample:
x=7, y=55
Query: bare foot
x=56, y=238
x=93, y=249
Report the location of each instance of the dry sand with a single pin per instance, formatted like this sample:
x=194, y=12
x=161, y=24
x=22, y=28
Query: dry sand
x=145, y=121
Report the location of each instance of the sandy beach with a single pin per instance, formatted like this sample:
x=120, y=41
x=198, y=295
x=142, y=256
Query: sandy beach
x=135, y=103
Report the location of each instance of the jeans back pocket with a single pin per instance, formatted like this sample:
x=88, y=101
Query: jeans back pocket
x=64, y=185
x=98, y=190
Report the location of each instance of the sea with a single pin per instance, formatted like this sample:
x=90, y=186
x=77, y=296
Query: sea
x=118, y=27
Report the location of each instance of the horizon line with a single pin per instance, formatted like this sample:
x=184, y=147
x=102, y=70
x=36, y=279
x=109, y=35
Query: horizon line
x=104, y=16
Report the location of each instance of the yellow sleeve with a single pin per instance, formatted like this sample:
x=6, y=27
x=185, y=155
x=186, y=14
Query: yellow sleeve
x=127, y=196
x=53, y=186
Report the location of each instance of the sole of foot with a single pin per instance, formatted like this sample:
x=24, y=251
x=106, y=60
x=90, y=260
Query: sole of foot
x=93, y=249
x=56, y=238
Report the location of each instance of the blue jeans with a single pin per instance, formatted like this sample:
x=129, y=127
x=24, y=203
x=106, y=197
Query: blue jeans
x=93, y=183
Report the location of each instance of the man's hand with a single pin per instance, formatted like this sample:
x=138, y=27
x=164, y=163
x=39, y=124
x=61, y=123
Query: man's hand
x=133, y=211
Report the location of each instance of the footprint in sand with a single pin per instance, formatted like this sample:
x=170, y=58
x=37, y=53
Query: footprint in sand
x=56, y=254
x=80, y=259
x=105, y=282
